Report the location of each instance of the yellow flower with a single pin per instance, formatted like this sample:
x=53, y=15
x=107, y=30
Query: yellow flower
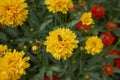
x=60, y=43
x=13, y=65
x=59, y=5
x=3, y=49
x=86, y=18
x=13, y=12
x=94, y=45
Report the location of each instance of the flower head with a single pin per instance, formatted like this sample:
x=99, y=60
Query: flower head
x=59, y=5
x=82, y=27
x=74, y=7
x=94, y=45
x=117, y=62
x=3, y=49
x=98, y=11
x=82, y=3
x=60, y=43
x=13, y=65
x=86, y=18
x=13, y=12
x=114, y=52
x=107, y=38
x=108, y=69
x=54, y=77
x=111, y=25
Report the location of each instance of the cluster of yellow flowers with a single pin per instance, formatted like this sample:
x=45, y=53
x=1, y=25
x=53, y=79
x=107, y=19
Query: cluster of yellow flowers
x=60, y=42
x=12, y=64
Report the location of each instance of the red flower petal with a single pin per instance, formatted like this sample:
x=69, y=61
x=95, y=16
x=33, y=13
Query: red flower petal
x=98, y=11
x=107, y=38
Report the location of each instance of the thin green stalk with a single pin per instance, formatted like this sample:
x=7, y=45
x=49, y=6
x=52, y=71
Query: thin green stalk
x=116, y=44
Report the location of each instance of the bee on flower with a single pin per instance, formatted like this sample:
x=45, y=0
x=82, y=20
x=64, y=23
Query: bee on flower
x=60, y=43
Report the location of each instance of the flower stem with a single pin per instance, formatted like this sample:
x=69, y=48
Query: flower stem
x=116, y=44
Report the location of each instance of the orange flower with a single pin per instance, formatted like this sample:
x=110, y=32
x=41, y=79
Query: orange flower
x=108, y=69
x=111, y=25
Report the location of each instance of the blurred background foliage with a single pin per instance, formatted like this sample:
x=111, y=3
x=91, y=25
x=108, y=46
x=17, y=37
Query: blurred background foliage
x=40, y=21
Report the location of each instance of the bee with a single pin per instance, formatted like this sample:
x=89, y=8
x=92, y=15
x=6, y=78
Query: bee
x=59, y=38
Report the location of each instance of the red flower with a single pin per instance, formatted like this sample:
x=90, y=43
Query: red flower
x=117, y=62
x=98, y=11
x=111, y=25
x=114, y=52
x=82, y=27
x=53, y=77
x=107, y=38
x=118, y=66
x=108, y=69
x=74, y=7
x=46, y=78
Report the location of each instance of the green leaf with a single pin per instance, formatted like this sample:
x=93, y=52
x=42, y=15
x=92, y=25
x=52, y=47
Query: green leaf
x=3, y=37
x=42, y=72
x=116, y=70
x=43, y=26
x=23, y=39
x=56, y=69
x=116, y=32
x=11, y=32
x=95, y=76
x=68, y=78
x=112, y=56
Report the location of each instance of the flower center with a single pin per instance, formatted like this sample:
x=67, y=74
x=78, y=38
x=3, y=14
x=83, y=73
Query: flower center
x=98, y=10
x=108, y=69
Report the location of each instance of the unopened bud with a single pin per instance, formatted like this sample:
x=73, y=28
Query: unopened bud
x=81, y=48
x=82, y=3
x=35, y=48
